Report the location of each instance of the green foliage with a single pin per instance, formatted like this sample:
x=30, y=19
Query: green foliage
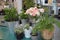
x=23, y=15
x=18, y=30
x=57, y=22
x=46, y=22
x=46, y=9
x=27, y=26
x=11, y=14
x=34, y=31
x=28, y=3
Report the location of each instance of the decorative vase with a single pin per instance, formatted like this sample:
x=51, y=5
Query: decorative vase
x=33, y=21
x=11, y=26
x=34, y=37
x=47, y=35
x=27, y=32
x=24, y=21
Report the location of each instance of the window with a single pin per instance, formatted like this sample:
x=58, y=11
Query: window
x=46, y=1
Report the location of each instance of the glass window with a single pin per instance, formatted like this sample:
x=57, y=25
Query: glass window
x=46, y=1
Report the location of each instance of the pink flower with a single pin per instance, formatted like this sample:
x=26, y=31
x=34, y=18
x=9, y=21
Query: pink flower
x=33, y=11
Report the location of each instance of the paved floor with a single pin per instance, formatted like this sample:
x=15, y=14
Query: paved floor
x=56, y=33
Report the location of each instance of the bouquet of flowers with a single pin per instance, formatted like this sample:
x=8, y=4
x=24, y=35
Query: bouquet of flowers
x=34, y=12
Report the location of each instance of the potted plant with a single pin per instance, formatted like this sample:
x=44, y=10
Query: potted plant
x=46, y=27
x=23, y=17
x=27, y=31
x=11, y=18
x=34, y=34
x=11, y=15
x=33, y=14
x=19, y=33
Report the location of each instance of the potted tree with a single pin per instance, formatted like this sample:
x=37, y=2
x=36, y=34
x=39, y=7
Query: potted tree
x=27, y=31
x=11, y=18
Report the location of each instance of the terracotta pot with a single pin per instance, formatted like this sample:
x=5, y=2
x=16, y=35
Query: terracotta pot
x=47, y=35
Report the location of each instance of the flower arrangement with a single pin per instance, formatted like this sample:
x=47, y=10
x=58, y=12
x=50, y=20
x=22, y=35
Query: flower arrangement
x=34, y=11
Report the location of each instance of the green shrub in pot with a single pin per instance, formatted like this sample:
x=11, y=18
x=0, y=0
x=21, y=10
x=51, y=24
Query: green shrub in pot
x=11, y=19
x=46, y=26
x=11, y=14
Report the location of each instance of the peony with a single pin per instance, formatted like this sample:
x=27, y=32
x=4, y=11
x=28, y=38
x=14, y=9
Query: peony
x=33, y=11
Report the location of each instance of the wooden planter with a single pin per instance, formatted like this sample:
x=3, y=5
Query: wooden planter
x=47, y=35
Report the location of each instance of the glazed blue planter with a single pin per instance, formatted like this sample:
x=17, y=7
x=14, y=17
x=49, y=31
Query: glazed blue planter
x=11, y=26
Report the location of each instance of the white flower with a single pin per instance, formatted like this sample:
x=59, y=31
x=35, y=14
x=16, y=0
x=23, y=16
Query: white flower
x=38, y=13
x=41, y=10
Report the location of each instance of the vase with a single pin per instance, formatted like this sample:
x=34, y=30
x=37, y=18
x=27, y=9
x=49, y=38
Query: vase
x=32, y=21
x=34, y=37
x=47, y=35
x=11, y=26
x=24, y=21
x=27, y=32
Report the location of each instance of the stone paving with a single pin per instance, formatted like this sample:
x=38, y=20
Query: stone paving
x=56, y=33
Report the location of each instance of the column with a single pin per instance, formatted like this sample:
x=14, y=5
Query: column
x=18, y=5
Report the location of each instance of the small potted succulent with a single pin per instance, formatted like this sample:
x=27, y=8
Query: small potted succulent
x=34, y=34
x=19, y=33
x=27, y=31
